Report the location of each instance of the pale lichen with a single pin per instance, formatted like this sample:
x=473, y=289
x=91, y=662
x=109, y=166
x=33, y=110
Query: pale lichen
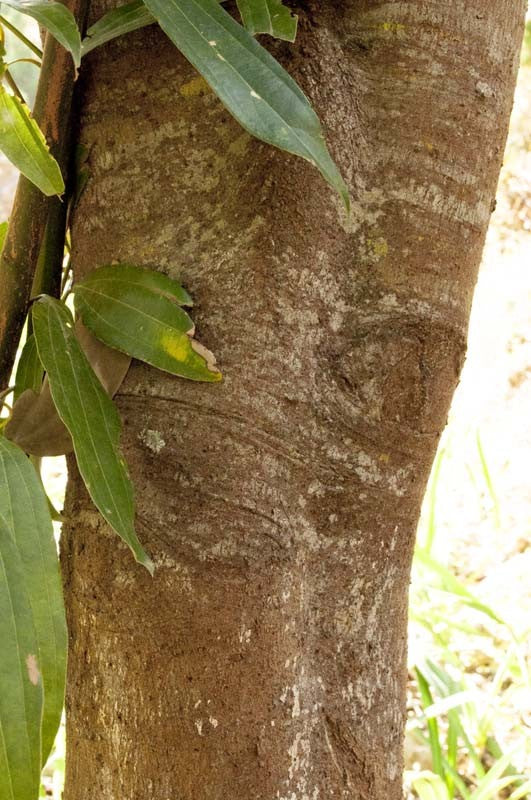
x=153, y=440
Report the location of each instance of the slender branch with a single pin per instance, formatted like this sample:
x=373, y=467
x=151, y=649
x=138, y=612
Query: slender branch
x=25, y=61
x=31, y=208
x=6, y=392
x=49, y=270
x=9, y=25
x=12, y=83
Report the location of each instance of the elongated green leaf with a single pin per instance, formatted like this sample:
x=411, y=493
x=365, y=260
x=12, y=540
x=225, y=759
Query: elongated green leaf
x=56, y=18
x=443, y=682
x=430, y=787
x=268, y=16
x=29, y=370
x=24, y=507
x=248, y=80
x=451, y=584
x=522, y=792
x=22, y=142
x=433, y=727
x=117, y=22
x=133, y=276
x=493, y=782
x=21, y=694
x=91, y=418
x=137, y=311
x=3, y=231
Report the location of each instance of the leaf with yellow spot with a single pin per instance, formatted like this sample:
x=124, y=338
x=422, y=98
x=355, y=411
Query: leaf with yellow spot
x=138, y=311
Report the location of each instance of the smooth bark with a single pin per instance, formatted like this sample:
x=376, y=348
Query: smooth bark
x=266, y=659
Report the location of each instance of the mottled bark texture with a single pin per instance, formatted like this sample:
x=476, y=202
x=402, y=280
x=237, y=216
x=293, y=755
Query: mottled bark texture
x=266, y=659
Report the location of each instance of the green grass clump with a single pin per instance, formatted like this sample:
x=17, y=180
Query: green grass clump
x=468, y=670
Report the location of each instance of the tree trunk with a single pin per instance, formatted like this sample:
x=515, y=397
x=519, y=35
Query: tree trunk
x=266, y=659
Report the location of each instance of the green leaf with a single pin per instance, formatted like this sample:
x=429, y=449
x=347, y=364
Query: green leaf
x=29, y=370
x=430, y=787
x=495, y=780
x=21, y=694
x=268, y=16
x=522, y=791
x=56, y=18
x=24, y=508
x=247, y=79
x=443, y=682
x=137, y=311
x=3, y=231
x=450, y=584
x=124, y=19
x=23, y=143
x=91, y=418
x=433, y=727
x=34, y=423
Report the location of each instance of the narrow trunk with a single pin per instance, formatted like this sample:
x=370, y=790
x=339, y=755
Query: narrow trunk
x=266, y=659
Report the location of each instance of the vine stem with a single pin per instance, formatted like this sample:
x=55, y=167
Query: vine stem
x=25, y=61
x=12, y=83
x=14, y=30
x=31, y=209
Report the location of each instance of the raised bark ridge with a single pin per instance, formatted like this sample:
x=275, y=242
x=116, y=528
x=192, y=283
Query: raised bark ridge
x=267, y=657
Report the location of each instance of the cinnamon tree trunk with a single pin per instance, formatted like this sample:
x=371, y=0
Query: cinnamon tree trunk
x=266, y=659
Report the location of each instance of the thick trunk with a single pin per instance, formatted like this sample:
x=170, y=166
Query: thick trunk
x=266, y=659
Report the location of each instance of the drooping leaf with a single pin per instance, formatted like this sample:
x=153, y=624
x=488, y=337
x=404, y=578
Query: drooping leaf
x=268, y=16
x=21, y=693
x=449, y=583
x=137, y=311
x=91, y=418
x=24, y=508
x=56, y=18
x=29, y=370
x=23, y=143
x=248, y=80
x=117, y=22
